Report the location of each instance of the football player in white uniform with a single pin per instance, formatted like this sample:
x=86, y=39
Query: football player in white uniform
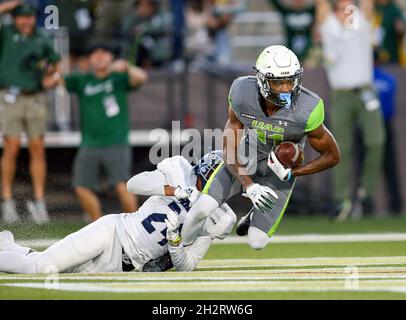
x=147, y=240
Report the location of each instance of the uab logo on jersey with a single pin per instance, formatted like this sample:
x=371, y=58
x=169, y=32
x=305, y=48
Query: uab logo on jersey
x=267, y=131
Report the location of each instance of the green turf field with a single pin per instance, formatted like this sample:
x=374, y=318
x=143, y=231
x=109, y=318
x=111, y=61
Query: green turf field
x=289, y=268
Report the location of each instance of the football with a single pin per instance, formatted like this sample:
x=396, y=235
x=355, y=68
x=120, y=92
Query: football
x=290, y=154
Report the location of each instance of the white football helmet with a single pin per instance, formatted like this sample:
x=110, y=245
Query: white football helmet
x=278, y=63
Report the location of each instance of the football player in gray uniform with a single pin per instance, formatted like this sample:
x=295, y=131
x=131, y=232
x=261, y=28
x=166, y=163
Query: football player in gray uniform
x=265, y=110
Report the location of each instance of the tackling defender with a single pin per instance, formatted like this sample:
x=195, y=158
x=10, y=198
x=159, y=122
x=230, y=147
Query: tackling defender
x=140, y=240
x=271, y=107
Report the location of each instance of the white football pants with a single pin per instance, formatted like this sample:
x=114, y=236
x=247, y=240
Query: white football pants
x=94, y=248
x=257, y=239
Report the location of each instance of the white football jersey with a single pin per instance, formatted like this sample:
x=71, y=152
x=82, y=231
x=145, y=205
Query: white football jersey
x=145, y=229
x=143, y=233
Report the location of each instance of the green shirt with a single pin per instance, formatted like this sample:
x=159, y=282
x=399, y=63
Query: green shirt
x=23, y=60
x=298, y=26
x=104, y=116
x=389, y=45
x=156, y=28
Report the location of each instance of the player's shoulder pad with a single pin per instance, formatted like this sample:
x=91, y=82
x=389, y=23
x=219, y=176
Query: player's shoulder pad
x=240, y=89
x=311, y=109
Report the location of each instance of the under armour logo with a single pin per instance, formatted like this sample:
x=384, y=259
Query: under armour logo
x=283, y=122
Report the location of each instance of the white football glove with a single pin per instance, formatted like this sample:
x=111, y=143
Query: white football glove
x=193, y=194
x=172, y=231
x=283, y=173
x=190, y=193
x=262, y=197
x=180, y=193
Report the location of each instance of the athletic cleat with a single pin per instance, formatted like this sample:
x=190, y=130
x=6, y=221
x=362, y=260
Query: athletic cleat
x=244, y=224
x=363, y=205
x=9, y=211
x=38, y=211
x=6, y=240
x=344, y=210
x=42, y=210
x=158, y=265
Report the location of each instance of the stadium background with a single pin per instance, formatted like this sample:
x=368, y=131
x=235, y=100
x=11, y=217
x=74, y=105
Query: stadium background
x=299, y=264
x=197, y=98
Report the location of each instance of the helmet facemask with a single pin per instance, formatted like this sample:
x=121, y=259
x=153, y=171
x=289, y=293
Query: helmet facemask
x=207, y=164
x=281, y=99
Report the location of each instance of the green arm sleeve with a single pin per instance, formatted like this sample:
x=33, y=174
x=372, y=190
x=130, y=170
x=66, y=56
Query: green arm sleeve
x=316, y=117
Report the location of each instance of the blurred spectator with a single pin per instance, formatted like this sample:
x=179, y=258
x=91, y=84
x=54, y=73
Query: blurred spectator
x=148, y=33
x=177, y=8
x=198, y=44
x=26, y=58
x=41, y=5
x=77, y=16
x=390, y=29
x=5, y=13
x=104, y=126
x=347, y=47
x=298, y=20
x=206, y=25
x=223, y=12
x=109, y=15
x=386, y=86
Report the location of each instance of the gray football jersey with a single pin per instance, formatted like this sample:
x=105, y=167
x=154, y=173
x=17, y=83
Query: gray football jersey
x=306, y=114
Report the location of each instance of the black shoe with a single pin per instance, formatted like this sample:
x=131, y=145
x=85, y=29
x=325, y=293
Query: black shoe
x=158, y=265
x=244, y=224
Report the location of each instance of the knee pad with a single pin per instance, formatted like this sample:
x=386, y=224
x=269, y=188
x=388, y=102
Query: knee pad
x=257, y=239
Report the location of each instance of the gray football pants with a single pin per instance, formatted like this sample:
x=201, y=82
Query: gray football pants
x=224, y=186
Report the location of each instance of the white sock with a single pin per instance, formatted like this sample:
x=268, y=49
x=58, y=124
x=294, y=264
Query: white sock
x=193, y=231
x=194, y=219
x=12, y=262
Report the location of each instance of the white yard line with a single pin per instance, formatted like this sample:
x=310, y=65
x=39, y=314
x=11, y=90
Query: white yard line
x=304, y=238
x=224, y=286
x=364, y=264
x=300, y=262
x=369, y=276
x=324, y=238
x=162, y=280
x=283, y=272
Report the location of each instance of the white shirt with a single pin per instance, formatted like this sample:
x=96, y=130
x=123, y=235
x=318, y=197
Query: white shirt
x=348, y=52
x=143, y=233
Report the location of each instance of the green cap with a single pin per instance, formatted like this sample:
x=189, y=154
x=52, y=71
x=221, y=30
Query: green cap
x=25, y=9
